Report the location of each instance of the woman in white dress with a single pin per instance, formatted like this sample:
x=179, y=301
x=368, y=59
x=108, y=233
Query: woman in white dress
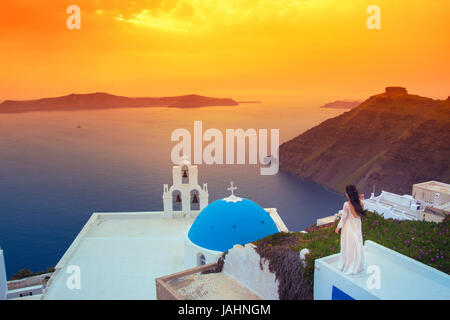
x=351, y=259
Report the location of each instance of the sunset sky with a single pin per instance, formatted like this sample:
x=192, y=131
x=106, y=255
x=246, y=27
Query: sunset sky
x=245, y=49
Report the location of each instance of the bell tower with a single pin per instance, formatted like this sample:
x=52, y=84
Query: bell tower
x=185, y=198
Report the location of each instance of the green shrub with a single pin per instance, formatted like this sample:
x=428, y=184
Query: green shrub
x=427, y=242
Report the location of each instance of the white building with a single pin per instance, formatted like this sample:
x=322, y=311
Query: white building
x=430, y=201
x=388, y=204
x=28, y=288
x=391, y=205
x=119, y=255
x=433, y=193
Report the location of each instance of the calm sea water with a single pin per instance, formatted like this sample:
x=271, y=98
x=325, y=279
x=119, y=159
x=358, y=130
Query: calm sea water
x=54, y=175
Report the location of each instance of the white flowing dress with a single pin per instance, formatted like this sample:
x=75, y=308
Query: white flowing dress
x=351, y=259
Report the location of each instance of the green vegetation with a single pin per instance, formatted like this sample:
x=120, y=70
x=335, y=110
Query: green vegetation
x=426, y=242
x=25, y=273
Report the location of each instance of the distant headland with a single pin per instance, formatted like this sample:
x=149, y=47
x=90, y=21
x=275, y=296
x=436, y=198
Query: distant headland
x=249, y=102
x=342, y=104
x=101, y=100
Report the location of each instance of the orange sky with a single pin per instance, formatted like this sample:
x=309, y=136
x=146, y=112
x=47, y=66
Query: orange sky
x=245, y=49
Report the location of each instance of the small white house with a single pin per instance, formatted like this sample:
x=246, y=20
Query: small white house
x=389, y=275
x=391, y=205
x=434, y=193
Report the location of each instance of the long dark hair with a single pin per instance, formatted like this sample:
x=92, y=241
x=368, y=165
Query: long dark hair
x=353, y=196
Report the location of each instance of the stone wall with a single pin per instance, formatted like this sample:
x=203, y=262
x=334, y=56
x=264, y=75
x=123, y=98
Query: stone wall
x=243, y=264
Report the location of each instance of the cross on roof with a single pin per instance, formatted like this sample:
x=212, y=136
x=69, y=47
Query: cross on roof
x=232, y=188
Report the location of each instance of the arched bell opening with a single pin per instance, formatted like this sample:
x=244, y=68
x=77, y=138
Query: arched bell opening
x=185, y=175
x=177, y=200
x=195, y=200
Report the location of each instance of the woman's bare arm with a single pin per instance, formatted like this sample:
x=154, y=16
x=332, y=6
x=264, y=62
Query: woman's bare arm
x=345, y=210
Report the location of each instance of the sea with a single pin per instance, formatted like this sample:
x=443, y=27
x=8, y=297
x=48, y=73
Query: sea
x=57, y=168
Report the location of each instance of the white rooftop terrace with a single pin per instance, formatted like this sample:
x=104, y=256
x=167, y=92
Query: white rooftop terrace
x=120, y=255
x=435, y=186
x=402, y=278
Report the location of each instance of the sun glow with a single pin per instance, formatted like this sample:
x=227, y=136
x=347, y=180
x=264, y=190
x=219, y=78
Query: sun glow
x=224, y=47
x=162, y=22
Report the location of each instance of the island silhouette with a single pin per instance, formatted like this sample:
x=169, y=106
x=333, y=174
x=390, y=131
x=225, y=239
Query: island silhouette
x=102, y=100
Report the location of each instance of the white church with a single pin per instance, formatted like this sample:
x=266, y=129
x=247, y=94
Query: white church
x=119, y=255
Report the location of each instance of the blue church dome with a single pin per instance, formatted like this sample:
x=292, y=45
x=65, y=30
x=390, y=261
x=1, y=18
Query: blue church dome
x=230, y=221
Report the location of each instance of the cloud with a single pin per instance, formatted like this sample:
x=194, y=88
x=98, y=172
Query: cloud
x=206, y=15
x=167, y=21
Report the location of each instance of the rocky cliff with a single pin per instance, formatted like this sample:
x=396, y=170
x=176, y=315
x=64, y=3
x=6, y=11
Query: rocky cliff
x=392, y=140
